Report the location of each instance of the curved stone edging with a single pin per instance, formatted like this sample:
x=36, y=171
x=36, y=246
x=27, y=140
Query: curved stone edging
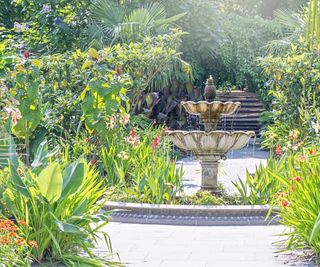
x=190, y=215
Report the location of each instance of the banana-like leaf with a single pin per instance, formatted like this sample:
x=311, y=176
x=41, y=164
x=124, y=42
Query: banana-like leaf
x=18, y=182
x=73, y=176
x=70, y=228
x=50, y=182
x=41, y=153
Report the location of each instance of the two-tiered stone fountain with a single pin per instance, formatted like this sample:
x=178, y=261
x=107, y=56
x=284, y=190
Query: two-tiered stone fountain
x=211, y=145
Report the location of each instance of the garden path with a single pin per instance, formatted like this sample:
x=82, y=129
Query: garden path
x=184, y=246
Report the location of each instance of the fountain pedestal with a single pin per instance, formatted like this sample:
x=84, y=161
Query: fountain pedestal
x=209, y=172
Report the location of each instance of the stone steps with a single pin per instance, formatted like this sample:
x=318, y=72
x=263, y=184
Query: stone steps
x=247, y=117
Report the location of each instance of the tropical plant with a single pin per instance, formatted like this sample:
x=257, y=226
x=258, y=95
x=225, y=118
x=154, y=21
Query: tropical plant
x=58, y=94
x=259, y=188
x=113, y=22
x=299, y=199
x=60, y=204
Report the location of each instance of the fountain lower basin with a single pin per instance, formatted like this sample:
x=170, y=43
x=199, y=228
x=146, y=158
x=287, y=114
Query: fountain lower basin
x=209, y=148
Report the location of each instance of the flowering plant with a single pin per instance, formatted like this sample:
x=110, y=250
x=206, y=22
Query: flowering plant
x=15, y=249
x=138, y=162
x=298, y=199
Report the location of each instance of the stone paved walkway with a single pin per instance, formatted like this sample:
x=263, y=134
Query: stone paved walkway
x=183, y=246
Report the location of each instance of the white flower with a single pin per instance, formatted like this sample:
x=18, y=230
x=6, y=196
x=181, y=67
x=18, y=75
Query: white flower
x=20, y=26
x=124, y=120
x=46, y=9
x=112, y=122
x=316, y=127
x=123, y=155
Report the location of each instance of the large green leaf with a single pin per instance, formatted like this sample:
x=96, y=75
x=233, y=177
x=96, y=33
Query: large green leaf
x=70, y=228
x=41, y=153
x=18, y=182
x=50, y=182
x=73, y=176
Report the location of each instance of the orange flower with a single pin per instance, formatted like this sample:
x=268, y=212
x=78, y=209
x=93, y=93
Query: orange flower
x=12, y=234
x=20, y=241
x=4, y=240
x=292, y=187
x=22, y=222
x=33, y=244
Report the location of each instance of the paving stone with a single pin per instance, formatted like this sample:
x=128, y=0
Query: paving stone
x=175, y=246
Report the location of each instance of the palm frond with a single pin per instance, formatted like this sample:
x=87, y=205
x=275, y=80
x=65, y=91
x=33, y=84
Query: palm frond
x=291, y=22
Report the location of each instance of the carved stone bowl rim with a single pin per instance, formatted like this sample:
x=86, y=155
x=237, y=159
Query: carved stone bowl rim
x=210, y=103
x=230, y=133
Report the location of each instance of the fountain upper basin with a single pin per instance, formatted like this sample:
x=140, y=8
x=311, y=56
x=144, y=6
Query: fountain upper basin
x=213, y=109
x=214, y=142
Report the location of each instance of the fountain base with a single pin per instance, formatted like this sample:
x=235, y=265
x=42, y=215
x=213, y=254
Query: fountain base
x=209, y=165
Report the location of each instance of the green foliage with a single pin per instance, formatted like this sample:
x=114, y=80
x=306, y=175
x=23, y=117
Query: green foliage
x=294, y=85
x=113, y=22
x=222, y=42
x=139, y=164
x=207, y=198
x=299, y=199
x=47, y=26
x=259, y=188
x=53, y=89
x=245, y=39
x=62, y=211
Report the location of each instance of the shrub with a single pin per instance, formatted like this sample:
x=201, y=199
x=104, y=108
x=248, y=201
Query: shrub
x=294, y=84
x=60, y=206
x=259, y=188
x=299, y=199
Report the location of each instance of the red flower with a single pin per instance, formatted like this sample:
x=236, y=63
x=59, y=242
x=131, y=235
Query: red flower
x=278, y=151
x=26, y=54
x=93, y=162
x=156, y=142
x=132, y=133
x=312, y=152
x=285, y=203
x=296, y=178
x=88, y=139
